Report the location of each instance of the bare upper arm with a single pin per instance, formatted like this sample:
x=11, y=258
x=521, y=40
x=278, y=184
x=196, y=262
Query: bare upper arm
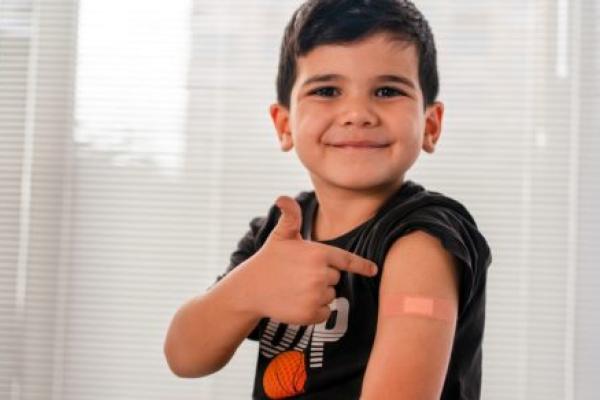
x=410, y=354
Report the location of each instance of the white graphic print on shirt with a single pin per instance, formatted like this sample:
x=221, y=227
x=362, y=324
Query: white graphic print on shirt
x=319, y=333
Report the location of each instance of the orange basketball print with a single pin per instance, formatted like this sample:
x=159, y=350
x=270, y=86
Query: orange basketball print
x=285, y=375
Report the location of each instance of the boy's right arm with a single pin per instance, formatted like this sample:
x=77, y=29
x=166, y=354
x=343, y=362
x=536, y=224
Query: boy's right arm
x=288, y=279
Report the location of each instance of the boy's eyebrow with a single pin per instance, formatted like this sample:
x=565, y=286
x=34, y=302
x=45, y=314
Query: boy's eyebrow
x=322, y=78
x=397, y=78
x=382, y=78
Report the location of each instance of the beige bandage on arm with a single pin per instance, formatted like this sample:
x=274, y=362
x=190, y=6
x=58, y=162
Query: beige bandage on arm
x=393, y=304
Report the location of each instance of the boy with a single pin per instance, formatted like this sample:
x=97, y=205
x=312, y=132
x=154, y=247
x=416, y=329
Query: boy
x=370, y=286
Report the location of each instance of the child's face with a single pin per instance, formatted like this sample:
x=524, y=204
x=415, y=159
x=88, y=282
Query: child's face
x=365, y=91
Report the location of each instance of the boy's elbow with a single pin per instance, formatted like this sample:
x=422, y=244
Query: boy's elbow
x=172, y=360
x=181, y=367
x=177, y=367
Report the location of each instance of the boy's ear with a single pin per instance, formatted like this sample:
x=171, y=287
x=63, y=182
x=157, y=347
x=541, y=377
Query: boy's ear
x=433, y=126
x=281, y=120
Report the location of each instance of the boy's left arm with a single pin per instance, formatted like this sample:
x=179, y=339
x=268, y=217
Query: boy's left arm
x=410, y=355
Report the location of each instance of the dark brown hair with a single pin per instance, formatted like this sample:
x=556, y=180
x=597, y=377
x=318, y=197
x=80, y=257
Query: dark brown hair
x=320, y=22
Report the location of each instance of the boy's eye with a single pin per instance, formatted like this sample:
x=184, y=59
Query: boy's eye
x=388, y=92
x=328, y=91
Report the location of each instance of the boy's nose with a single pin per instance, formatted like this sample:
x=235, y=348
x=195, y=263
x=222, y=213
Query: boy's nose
x=358, y=113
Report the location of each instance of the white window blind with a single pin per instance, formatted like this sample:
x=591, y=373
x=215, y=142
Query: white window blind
x=135, y=147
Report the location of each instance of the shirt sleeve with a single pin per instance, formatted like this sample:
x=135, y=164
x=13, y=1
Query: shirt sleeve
x=458, y=233
x=246, y=247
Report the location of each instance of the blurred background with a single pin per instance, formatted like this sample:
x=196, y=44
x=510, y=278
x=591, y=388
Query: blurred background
x=135, y=147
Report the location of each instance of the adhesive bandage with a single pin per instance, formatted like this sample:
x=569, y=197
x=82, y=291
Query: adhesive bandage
x=429, y=307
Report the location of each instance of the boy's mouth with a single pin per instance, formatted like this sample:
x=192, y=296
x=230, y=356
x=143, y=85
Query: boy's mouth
x=366, y=147
x=360, y=145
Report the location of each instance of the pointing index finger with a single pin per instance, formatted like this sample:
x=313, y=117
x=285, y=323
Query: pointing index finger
x=347, y=261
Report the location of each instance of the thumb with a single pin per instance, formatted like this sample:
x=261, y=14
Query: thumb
x=290, y=221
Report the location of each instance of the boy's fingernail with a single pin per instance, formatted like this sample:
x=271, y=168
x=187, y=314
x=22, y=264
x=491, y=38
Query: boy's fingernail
x=374, y=269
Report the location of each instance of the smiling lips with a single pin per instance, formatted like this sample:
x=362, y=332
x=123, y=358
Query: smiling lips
x=363, y=144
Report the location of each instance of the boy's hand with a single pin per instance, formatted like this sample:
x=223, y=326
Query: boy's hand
x=291, y=279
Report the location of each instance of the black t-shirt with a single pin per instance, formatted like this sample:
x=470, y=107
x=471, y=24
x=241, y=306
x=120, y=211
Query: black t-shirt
x=328, y=360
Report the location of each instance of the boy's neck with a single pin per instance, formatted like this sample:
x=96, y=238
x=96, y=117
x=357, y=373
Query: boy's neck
x=339, y=211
